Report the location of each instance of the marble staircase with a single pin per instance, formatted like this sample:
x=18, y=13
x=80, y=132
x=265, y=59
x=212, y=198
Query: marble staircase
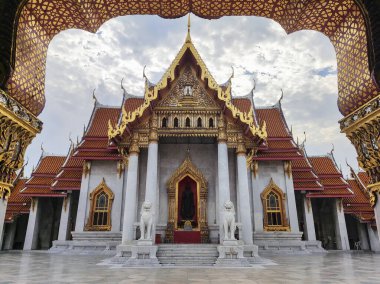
x=187, y=254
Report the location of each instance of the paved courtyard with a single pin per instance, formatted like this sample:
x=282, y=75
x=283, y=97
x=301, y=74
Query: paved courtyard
x=43, y=267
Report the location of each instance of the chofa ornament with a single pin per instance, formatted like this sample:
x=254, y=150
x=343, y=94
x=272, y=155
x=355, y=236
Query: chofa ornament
x=229, y=224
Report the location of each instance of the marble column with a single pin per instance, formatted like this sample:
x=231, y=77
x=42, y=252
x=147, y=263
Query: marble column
x=151, y=173
x=258, y=225
x=340, y=225
x=130, y=200
x=83, y=202
x=377, y=213
x=308, y=219
x=290, y=198
x=363, y=236
x=243, y=197
x=64, y=223
x=9, y=237
x=373, y=239
x=3, y=210
x=31, y=237
x=223, y=172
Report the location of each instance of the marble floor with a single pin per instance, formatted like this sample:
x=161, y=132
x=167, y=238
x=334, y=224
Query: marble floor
x=334, y=267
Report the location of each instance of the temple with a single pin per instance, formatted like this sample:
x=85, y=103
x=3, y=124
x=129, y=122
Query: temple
x=188, y=163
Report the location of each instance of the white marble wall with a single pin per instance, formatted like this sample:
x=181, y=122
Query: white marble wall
x=204, y=157
x=100, y=170
x=373, y=239
x=274, y=170
x=3, y=209
x=31, y=237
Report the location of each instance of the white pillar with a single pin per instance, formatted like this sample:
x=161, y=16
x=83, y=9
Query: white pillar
x=130, y=200
x=151, y=181
x=31, y=237
x=223, y=173
x=3, y=210
x=340, y=225
x=363, y=236
x=83, y=201
x=9, y=237
x=377, y=214
x=373, y=239
x=244, y=204
x=291, y=201
x=308, y=219
x=257, y=203
x=64, y=223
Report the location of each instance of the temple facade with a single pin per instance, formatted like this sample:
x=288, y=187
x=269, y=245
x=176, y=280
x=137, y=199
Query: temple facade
x=169, y=167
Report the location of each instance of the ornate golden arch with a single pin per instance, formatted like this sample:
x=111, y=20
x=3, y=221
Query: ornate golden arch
x=272, y=187
x=187, y=168
x=102, y=187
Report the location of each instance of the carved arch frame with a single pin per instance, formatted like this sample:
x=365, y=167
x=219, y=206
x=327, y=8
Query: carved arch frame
x=90, y=221
x=187, y=169
x=273, y=187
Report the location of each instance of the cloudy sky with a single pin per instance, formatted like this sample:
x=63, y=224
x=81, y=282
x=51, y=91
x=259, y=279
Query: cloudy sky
x=303, y=64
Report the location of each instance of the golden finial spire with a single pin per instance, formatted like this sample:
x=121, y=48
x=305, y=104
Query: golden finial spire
x=188, y=38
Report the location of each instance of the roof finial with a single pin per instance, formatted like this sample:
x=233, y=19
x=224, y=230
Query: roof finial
x=333, y=149
x=94, y=97
x=282, y=96
x=42, y=149
x=188, y=38
x=121, y=85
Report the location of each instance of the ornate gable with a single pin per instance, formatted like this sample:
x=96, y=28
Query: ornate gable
x=188, y=92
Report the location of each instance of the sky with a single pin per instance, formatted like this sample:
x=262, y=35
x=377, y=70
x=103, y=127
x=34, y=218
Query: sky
x=302, y=65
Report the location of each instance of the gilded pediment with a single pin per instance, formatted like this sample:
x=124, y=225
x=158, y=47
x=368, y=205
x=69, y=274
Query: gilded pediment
x=188, y=91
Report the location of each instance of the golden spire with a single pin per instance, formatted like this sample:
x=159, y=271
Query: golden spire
x=188, y=38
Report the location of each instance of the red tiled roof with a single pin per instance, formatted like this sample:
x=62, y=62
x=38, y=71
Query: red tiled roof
x=364, y=178
x=15, y=196
x=324, y=165
x=243, y=105
x=49, y=165
x=131, y=104
x=17, y=204
x=66, y=185
x=99, y=122
x=275, y=123
x=73, y=162
x=42, y=177
x=94, y=144
x=307, y=185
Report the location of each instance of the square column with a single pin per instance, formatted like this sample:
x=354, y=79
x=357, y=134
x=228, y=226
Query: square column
x=373, y=239
x=130, y=200
x=258, y=225
x=290, y=198
x=31, y=237
x=308, y=219
x=377, y=213
x=3, y=210
x=9, y=237
x=243, y=195
x=363, y=236
x=83, y=198
x=223, y=173
x=64, y=223
x=340, y=225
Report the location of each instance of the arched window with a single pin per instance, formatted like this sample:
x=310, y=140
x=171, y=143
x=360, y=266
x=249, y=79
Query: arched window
x=176, y=122
x=211, y=123
x=164, y=123
x=199, y=122
x=274, y=210
x=187, y=122
x=100, y=211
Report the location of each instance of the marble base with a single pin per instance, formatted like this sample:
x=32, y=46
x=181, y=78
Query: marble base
x=231, y=255
x=145, y=243
x=230, y=243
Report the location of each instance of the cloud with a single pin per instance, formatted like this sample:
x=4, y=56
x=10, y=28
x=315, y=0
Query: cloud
x=303, y=64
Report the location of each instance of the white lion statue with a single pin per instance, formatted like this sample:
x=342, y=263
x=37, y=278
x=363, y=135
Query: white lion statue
x=146, y=221
x=229, y=220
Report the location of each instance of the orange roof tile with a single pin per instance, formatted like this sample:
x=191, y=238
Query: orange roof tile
x=73, y=162
x=49, y=165
x=66, y=185
x=324, y=165
x=15, y=196
x=275, y=122
x=307, y=185
x=300, y=164
x=69, y=174
x=308, y=175
x=243, y=105
x=131, y=104
x=331, y=192
x=39, y=180
x=99, y=122
x=364, y=178
x=39, y=191
x=94, y=144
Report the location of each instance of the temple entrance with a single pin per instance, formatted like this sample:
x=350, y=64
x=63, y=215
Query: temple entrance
x=187, y=194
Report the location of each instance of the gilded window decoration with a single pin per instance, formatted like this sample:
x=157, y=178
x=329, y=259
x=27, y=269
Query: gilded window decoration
x=199, y=122
x=211, y=123
x=164, y=123
x=274, y=208
x=100, y=208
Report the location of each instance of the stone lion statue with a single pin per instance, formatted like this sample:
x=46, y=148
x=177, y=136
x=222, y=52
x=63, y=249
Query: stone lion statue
x=229, y=220
x=146, y=221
